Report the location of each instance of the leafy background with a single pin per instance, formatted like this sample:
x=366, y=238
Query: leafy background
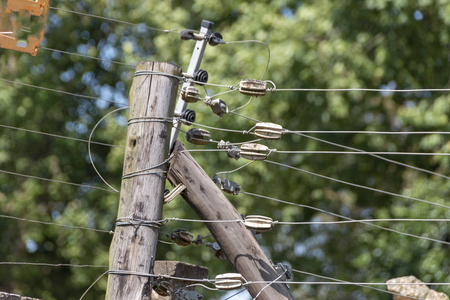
x=314, y=44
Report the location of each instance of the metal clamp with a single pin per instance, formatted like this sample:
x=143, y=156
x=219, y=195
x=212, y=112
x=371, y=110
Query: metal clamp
x=194, y=65
x=227, y=186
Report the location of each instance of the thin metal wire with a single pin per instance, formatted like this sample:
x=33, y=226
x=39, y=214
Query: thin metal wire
x=355, y=283
x=269, y=284
x=89, y=146
x=356, y=185
x=323, y=152
x=87, y=56
x=217, y=128
x=13, y=263
x=202, y=221
x=355, y=149
x=59, y=136
x=363, y=152
x=359, y=90
x=245, y=117
x=237, y=169
x=142, y=73
x=62, y=92
x=366, y=132
x=242, y=106
x=243, y=290
x=361, y=221
x=100, y=277
x=115, y=20
x=259, y=42
x=53, y=180
x=343, y=217
x=373, y=155
x=145, y=171
x=55, y=224
x=360, y=285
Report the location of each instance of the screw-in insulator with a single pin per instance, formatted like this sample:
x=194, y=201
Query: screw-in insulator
x=201, y=76
x=188, y=117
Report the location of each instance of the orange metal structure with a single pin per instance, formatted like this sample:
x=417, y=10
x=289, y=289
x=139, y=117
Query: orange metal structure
x=22, y=24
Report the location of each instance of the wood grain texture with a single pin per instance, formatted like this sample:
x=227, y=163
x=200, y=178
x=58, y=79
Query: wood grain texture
x=142, y=196
x=237, y=242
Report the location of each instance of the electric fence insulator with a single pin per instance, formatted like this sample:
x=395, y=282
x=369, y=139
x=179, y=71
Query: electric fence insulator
x=188, y=117
x=268, y=131
x=230, y=187
x=181, y=237
x=258, y=223
x=215, y=39
x=284, y=269
x=229, y=281
x=188, y=295
x=253, y=87
x=198, y=136
x=190, y=94
x=224, y=145
x=233, y=151
x=226, y=185
x=253, y=151
x=162, y=287
x=201, y=76
x=187, y=35
x=218, y=106
x=216, y=250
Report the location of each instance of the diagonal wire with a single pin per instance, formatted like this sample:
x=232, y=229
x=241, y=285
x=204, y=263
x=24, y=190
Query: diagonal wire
x=343, y=217
x=373, y=155
x=59, y=136
x=55, y=224
x=53, y=180
x=356, y=185
x=366, y=132
x=62, y=92
x=353, y=149
x=359, y=90
x=87, y=56
x=49, y=265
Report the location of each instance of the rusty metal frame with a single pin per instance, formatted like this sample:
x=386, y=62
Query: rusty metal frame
x=12, y=27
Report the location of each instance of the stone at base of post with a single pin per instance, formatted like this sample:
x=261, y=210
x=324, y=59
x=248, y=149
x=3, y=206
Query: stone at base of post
x=180, y=270
x=408, y=290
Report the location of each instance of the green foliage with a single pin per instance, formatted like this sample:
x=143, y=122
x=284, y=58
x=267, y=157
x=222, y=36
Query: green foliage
x=313, y=44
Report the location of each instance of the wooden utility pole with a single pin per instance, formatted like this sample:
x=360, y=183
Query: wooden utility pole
x=236, y=241
x=152, y=100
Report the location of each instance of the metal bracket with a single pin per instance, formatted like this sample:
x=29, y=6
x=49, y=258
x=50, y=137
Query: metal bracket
x=194, y=65
x=16, y=22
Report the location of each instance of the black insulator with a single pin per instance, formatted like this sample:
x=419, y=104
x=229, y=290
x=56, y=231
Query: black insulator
x=187, y=35
x=201, y=76
x=188, y=117
x=215, y=39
